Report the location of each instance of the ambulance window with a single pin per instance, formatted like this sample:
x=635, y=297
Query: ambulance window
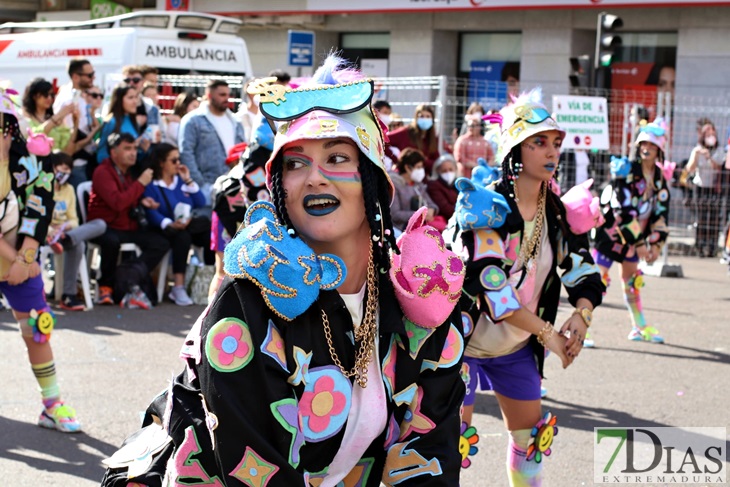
x=194, y=22
x=160, y=21
x=229, y=28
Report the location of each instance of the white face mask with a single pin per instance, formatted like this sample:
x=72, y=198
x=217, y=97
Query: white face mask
x=385, y=119
x=710, y=141
x=417, y=175
x=448, y=176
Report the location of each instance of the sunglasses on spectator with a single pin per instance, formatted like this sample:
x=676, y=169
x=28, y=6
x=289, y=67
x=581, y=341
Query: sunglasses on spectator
x=175, y=160
x=98, y=96
x=50, y=94
x=89, y=75
x=134, y=80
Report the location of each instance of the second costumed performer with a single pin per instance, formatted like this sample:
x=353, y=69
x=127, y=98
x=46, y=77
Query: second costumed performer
x=515, y=237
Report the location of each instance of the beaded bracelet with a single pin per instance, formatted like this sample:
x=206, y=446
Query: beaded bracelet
x=547, y=329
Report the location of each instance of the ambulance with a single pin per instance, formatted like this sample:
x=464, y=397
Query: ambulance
x=177, y=43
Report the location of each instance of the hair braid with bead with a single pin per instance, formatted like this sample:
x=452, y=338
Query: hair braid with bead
x=278, y=194
x=376, y=193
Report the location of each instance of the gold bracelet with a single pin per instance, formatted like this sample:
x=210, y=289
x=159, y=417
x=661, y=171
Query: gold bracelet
x=546, y=330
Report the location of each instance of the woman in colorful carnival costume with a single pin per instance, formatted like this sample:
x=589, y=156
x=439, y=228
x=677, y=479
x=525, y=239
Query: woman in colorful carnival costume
x=26, y=209
x=514, y=236
x=636, y=208
x=289, y=381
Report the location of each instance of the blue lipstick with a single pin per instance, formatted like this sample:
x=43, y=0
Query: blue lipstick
x=320, y=204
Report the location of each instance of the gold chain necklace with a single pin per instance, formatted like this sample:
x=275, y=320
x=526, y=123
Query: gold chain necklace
x=532, y=247
x=364, y=334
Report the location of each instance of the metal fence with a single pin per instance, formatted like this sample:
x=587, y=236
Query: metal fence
x=694, y=211
x=691, y=209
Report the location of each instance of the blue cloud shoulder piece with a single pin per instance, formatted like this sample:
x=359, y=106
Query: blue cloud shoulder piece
x=288, y=273
x=479, y=207
x=485, y=175
x=620, y=167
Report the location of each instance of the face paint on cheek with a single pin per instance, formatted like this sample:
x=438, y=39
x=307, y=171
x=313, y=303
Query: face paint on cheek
x=530, y=146
x=341, y=177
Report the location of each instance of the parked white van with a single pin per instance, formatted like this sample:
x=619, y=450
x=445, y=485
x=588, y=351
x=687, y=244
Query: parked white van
x=173, y=42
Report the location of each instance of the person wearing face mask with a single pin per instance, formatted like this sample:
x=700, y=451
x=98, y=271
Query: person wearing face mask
x=410, y=190
x=419, y=134
x=383, y=111
x=704, y=163
x=441, y=186
x=472, y=146
x=65, y=234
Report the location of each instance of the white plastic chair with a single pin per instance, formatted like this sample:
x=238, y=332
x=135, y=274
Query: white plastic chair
x=83, y=273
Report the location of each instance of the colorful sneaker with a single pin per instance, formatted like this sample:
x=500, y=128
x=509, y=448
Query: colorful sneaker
x=59, y=417
x=105, y=295
x=179, y=296
x=56, y=247
x=588, y=341
x=646, y=334
x=72, y=303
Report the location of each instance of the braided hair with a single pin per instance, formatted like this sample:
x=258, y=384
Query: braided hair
x=376, y=194
x=514, y=157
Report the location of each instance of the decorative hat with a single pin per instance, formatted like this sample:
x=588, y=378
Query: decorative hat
x=582, y=209
x=427, y=277
x=336, y=104
x=523, y=118
x=654, y=132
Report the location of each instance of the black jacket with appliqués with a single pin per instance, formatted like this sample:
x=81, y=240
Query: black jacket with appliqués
x=31, y=179
x=627, y=202
x=488, y=266
x=246, y=427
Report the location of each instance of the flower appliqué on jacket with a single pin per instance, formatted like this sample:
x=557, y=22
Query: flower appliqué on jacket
x=325, y=403
x=228, y=346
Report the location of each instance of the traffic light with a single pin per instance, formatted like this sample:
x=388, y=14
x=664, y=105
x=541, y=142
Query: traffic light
x=607, y=42
x=580, y=71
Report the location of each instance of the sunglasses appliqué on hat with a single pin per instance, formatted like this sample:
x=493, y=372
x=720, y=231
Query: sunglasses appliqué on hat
x=532, y=114
x=287, y=272
x=280, y=103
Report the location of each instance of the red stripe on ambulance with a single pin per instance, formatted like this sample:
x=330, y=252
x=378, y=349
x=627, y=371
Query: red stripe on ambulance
x=49, y=53
x=4, y=45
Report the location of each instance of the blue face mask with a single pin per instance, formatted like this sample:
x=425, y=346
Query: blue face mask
x=424, y=123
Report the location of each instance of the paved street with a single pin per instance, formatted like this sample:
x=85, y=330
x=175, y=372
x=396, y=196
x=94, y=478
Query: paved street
x=112, y=361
